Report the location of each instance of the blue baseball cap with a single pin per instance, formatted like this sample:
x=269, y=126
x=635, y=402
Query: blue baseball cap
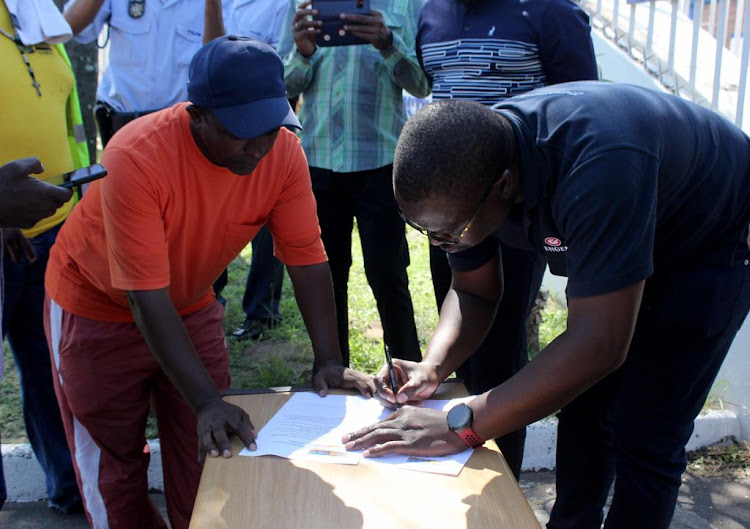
x=241, y=80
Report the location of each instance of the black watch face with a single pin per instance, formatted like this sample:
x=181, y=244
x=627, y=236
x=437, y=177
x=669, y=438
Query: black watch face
x=459, y=417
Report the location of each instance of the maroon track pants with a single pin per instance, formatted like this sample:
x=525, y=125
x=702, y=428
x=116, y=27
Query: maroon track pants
x=106, y=378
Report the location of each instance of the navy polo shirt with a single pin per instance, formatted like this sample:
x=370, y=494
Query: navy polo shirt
x=496, y=49
x=620, y=182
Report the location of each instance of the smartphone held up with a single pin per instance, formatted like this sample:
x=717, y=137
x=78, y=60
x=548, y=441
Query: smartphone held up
x=332, y=32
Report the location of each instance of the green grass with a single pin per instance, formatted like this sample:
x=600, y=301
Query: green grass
x=251, y=369
x=554, y=322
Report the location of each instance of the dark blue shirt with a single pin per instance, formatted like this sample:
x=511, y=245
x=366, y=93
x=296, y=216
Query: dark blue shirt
x=496, y=49
x=620, y=182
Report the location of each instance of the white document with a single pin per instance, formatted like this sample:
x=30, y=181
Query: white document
x=310, y=428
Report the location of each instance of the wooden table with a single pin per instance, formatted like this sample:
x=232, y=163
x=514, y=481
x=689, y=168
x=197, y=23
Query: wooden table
x=274, y=493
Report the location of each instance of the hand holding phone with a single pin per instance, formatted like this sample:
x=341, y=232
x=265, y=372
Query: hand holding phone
x=370, y=27
x=83, y=175
x=305, y=29
x=25, y=200
x=335, y=25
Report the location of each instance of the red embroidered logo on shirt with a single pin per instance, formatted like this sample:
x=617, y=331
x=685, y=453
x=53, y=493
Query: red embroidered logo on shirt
x=553, y=244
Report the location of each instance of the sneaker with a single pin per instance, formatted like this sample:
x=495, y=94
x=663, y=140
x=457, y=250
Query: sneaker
x=251, y=329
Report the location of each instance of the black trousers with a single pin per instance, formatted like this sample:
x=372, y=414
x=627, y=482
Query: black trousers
x=632, y=426
x=368, y=196
x=504, y=350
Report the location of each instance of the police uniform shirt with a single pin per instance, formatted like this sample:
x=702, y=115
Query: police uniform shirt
x=259, y=19
x=621, y=182
x=151, y=43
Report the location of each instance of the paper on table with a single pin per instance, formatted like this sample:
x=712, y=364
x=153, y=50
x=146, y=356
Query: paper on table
x=310, y=428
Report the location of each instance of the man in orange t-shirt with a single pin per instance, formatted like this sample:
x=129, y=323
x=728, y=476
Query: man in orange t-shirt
x=131, y=315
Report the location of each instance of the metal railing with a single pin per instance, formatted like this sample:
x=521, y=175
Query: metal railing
x=698, y=51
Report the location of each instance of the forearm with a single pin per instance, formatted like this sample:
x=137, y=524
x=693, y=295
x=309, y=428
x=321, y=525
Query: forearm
x=464, y=321
x=564, y=370
x=313, y=289
x=405, y=70
x=166, y=335
x=213, y=22
x=81, y=13
x=298, y=73
x=595, y=344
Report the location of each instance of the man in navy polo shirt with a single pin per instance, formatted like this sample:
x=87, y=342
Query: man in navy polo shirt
x=643, y=201
x=488, y=51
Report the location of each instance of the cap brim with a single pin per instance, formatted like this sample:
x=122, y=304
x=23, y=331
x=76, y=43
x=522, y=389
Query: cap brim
x=257, y=117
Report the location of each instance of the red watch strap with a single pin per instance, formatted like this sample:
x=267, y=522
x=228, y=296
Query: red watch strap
x=470, y=437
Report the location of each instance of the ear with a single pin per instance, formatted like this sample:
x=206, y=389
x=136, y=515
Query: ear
x=506, y=185
x=197, y=115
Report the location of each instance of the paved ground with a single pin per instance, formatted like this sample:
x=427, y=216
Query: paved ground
x=703, y=504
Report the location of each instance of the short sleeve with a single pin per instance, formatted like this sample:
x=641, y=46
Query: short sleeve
x=293, y=220
x=91, y=32
x=565, y=46
x=606, y=213
x=133, y=223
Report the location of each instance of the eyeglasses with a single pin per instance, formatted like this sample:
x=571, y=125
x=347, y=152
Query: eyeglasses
x=445, y=240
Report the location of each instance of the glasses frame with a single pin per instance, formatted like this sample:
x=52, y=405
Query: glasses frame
x=455, y=240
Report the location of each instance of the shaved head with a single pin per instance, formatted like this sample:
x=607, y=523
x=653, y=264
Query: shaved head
x=453, y=149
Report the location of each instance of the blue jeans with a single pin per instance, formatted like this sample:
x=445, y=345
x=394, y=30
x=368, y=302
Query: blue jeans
x=23, y=326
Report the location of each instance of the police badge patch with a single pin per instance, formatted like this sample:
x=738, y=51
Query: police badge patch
x=136, y=8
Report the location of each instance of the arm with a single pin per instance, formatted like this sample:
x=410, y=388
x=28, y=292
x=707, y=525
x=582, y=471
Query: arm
x=81, y=13
x=213, y=24
x=418, y=40
x=166, y=336
x=313, y=290
x=565, y=46
x=465, y=317
x=297, y=47
x=596, y=342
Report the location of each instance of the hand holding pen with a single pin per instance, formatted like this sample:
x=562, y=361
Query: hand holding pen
x=411, y=381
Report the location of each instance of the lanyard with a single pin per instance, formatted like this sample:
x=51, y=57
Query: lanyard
x=23, y=49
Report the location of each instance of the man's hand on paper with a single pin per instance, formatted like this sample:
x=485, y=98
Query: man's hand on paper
x=335, y=375
x=416, y=381
x=409, y=430
x=218, y=419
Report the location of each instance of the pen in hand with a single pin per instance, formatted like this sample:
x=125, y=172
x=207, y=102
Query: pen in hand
x=392, y=374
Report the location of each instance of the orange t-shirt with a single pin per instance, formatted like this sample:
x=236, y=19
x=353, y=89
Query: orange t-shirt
x=165, y=216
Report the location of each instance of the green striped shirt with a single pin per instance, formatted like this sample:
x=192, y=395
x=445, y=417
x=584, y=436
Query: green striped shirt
x=352, y=110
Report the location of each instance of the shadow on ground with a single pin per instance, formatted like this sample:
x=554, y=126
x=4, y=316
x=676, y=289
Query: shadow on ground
x=704, y=503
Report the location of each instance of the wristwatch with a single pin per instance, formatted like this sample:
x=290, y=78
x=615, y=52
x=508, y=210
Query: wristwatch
x=460, y=418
